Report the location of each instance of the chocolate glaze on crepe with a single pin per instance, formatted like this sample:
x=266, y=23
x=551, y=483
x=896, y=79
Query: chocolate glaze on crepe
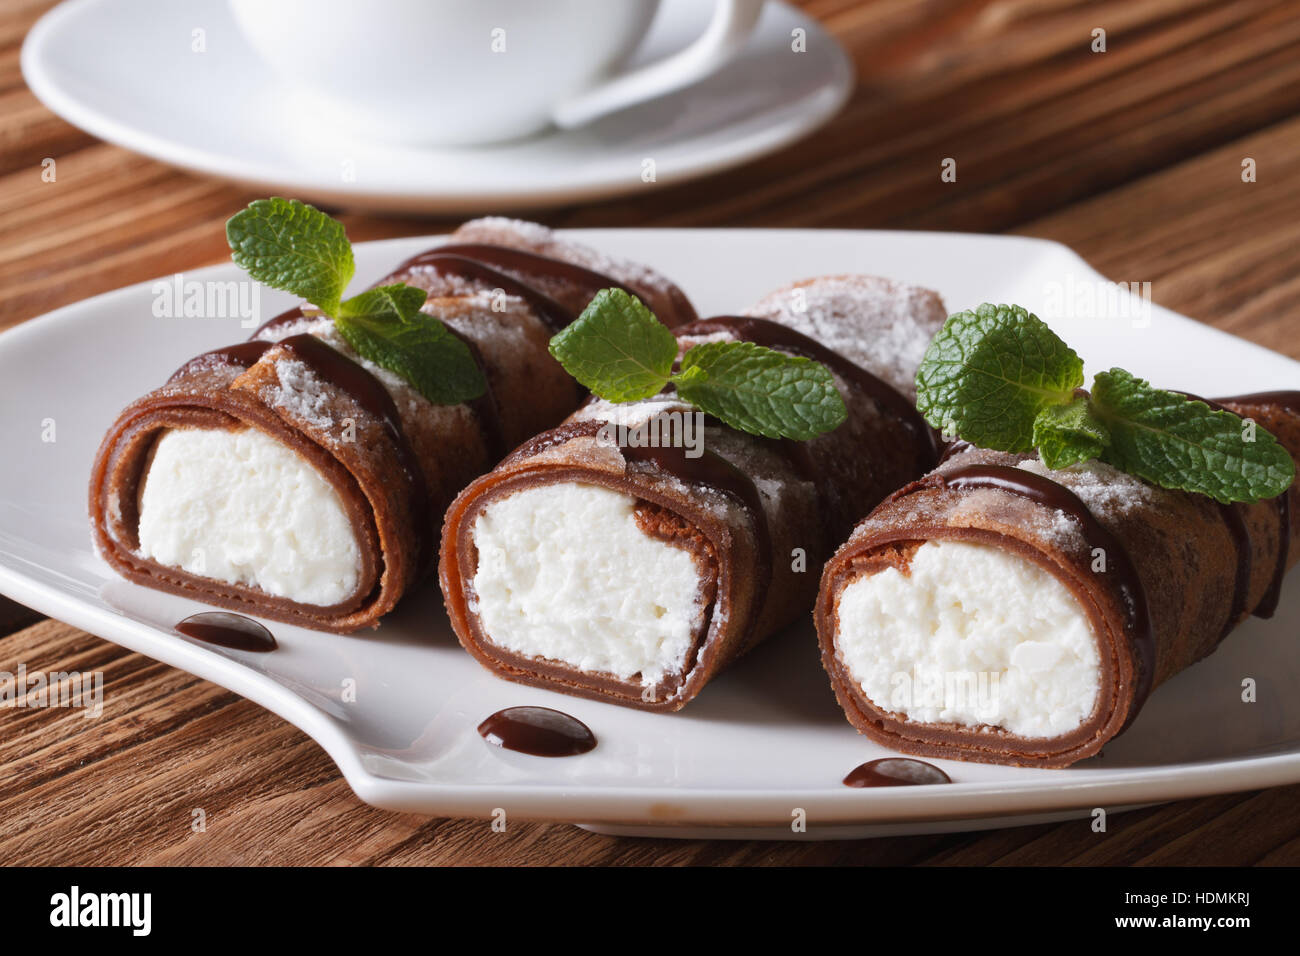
x=756, y=516
x=1180, y=571
x=393, y=459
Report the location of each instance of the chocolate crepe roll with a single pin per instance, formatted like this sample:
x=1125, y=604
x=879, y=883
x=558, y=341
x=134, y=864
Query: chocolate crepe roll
x=1002, y=612
x=632, y=566
x=289, y=478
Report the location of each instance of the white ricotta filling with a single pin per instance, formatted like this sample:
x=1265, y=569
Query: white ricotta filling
x=242, y=508
x=566, y=574
x=973, y=635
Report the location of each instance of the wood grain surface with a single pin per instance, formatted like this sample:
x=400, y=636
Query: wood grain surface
x=1133, y=157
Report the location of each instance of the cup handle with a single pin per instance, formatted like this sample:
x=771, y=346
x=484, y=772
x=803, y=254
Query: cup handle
x=733, y=21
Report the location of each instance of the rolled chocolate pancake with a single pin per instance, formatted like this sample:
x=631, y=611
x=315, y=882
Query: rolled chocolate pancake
x=633, y=569
x=289, y=478
x=999, y=611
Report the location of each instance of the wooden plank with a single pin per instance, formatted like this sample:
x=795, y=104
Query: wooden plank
x=1214, y=247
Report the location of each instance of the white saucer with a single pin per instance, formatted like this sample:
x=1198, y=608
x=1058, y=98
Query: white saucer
x=766, y=738
x=124, y=71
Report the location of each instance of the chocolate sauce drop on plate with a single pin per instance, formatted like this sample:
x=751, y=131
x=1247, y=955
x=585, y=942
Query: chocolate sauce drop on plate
x=895, y=772
x=228, y=630
x=539, y=731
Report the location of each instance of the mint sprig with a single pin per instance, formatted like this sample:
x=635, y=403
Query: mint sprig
x=1178, y=442
x=761, y=391
x=1068, y=434
x=289, y=245
x=988, y=373
x=998, y=377
x=619, y=350
x=387, y=327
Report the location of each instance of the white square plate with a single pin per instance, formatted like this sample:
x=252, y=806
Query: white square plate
x=764, y=740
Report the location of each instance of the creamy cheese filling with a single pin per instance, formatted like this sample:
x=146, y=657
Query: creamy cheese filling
x=242, y=508
x=972, y=635
x=565, y=573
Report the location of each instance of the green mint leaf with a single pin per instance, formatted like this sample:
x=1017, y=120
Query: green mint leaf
x=1177, y=442
x=987, y=375
x=760, y=390
x=1068, y=434
x=386, y=326
x=289, y=245
x=402, y=299
x=617, y=348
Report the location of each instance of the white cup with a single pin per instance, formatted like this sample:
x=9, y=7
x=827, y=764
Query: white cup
x=461, y=72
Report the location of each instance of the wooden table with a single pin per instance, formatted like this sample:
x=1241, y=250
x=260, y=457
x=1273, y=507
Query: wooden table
x=1132, y=156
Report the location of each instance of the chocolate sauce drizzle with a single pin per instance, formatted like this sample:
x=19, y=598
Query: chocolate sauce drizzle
x=958, y=446
x=539, y=731
x=1046, y=492
x=508, y=269
x=275, y=323
x=774, y=335
x=498, y=266
x=517, y=262
x=1267, y=606
x=1232, y=513
x=1288, y=401
x=1285, y=399
x=486, y=408
x=895, y=772
x=1235, y=522
x=891, y=402
x=367, y=391
x=710, y=470
x=228, y=630
x=240, y=355
x=713, y=471
x=448, y=263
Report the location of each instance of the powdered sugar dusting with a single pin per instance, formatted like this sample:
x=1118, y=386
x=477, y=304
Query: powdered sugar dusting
x=1108, y=492
x=882, y=325
x=323, y=328
x=533, y=233
x=534, y=237
x=301, y=393
x=631, y=414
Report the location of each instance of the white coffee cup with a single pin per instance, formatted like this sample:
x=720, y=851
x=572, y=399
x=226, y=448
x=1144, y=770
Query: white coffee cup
x=460, y=72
